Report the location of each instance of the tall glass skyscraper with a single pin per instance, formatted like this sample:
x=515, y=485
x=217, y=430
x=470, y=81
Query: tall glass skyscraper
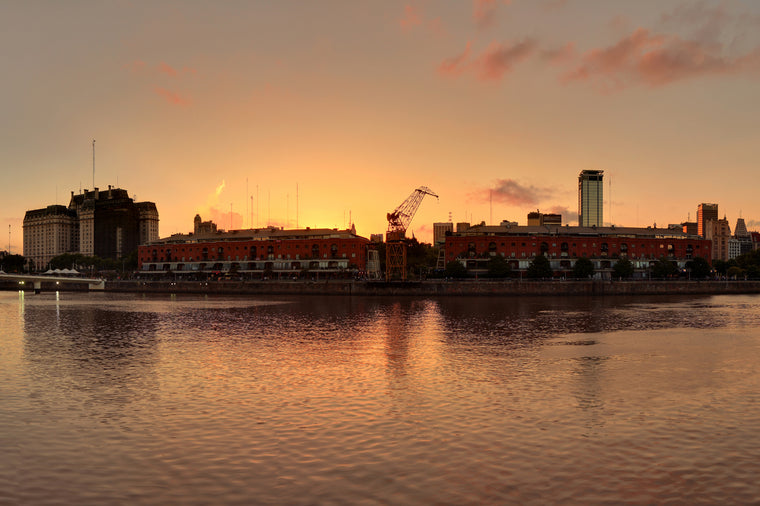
x=590, y=198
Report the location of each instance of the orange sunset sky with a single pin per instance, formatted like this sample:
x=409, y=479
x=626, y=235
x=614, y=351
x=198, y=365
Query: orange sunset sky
x=494, y=105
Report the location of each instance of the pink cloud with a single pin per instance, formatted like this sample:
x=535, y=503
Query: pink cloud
x=165, y=68
x=499, y=59
x=172, y=97
x=455, y=65
x=562, y=55
x=483, y=12
x=655, y=60
x=492, y=63
x=412, y=17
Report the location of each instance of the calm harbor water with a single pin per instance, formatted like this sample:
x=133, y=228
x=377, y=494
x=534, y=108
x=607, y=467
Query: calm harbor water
x=128, y=399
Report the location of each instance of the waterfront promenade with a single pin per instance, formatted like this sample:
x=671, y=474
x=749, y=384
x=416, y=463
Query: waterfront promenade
x=440, y=287
x=426, y=288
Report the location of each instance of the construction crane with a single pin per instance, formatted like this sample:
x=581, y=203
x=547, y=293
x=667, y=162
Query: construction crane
x=395, y=237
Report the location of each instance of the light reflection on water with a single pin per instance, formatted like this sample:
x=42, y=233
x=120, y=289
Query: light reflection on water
x=109, y=399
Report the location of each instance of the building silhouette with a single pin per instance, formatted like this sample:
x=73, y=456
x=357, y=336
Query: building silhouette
x=705, y=213
x=203, y=227
x=439, y=232
x=719, y=232
x=107, y=224
x=537, y=219
x=590, y=198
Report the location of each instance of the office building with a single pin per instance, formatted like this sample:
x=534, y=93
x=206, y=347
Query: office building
x=705, y=213
x=49, y=232
x=719, y=232
x=590, y=198
x=537, y=219
x=107, y=224
x=439, y=232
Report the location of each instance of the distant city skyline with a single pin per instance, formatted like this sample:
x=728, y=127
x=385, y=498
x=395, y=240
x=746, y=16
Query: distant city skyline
x=323, y=113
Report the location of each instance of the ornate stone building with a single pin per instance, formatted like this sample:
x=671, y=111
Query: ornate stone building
x=107, y=224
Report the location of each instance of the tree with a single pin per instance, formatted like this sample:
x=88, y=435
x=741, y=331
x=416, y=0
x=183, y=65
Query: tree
x=623, y=269
x=735, y=272
x=13, y=263
x=583, y=268
x=421, y=257
x=721, y=266
x=699, y=268
x=455, y=269
x=664, y=268
x=539, y=267
x=498, y=267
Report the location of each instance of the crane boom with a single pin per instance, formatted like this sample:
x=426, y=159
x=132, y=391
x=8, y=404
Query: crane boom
x=395, y=242
x=401, y=217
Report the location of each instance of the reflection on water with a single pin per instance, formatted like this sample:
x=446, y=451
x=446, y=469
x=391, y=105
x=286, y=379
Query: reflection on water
x=111, y=399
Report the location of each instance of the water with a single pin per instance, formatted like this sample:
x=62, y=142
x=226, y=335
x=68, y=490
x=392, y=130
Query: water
x=122, y=399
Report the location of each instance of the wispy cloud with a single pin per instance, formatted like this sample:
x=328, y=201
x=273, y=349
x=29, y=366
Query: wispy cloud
x=493, y=63
x=695, y=40
x=412, y=17
x=167, y=69
x=484, y=11
x=455, y=65
x=643, y=57
x=212, y=210
x=499, y=59
x=172, y=97
x=155, y=77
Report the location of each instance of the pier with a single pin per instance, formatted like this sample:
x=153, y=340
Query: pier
x=37, y=280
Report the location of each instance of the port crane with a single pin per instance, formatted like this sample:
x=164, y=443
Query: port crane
x=395, y=237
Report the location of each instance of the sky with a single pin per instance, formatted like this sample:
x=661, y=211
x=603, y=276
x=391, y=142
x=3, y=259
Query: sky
x=332, y=112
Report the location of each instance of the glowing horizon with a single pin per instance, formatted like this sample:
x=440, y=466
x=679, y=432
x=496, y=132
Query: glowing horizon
x=495, y=105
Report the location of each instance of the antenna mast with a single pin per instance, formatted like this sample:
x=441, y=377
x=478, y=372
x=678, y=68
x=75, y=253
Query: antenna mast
x=93, y=164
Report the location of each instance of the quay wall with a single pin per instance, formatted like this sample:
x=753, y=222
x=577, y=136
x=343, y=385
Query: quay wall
x=440, y=288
